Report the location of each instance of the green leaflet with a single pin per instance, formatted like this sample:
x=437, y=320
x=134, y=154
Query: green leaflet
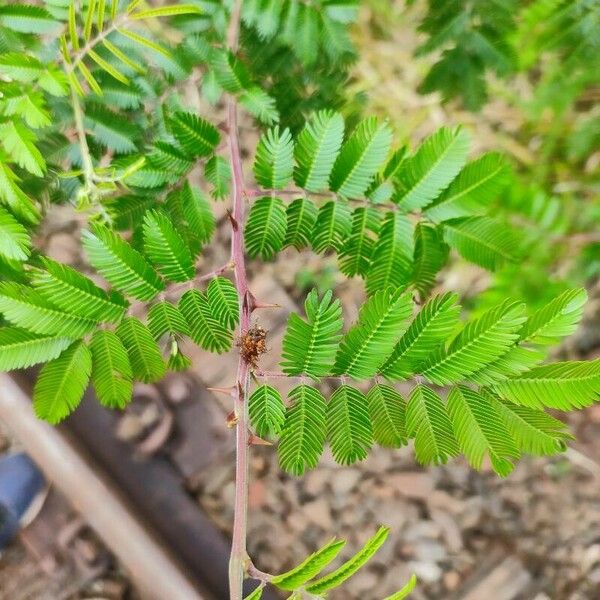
x=303, y=435
x=120, y=264
x=333, y=225
x=434, y=323
x=310, y=567
x=483, y=241
x=274, y=161
x=19, y=143
x=146, y=361
x=480, y=343
x=166, y=248
x=267, y=411
x=197, y=212
x=20, y=348
x=362, y=155
x=514, y=361
x=557, y=319
x=73, y=292
x=351, y=566
x=164, y=318
x=26, y=18
x=223, y=300
x=316, y=149
x=562, y=385
x=196, y=136
x=111, y=129
x=12, y=195
x=348, y=425
x=258, y=103
x=476, y=186
x=421, y=177
x=357, y=250
x=255, y=594
x=387, y=411
x=301, y=218
x=480, y=431
x=309, y=347
x=15, y=243
x=431, y=254
x=205, y=329
x=62, y=383
x=25, y=307
x=111, y=372
x=428, y=423
x=391, y=261
x=533, y=431
x=265, y=228
x=218, y=172
x=381, y=323
x=405, y=591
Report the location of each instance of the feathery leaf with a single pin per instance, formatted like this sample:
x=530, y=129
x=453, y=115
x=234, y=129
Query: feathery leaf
x=166, y=248
x=391, y=262
x=428, y=423
x=357, y=250
x=557, y=319
x=265, y=228
x=387, y=410
x=479, y=343
x=205, y=329
x=111, y=371
x=15, y=243
x=422, y=176
x=351, y=566
x=310, y=567
x=120, y=264
x=274, y=161
x=196, y=136
x=316, y=150
x=73, y=292
x=267, y=411
x=479, y=430
x=309, y=347
x=332, y=227
x=483, y=241
x=163, y=318
x=303, y=434
x=476, y=186
x=348, y=425
x=381, y=322
x=62, y=383
x=223, y=301
x=362, y=155
x=562, y=385
x=20, y=348
x=301, y=218
x=146, y=362
x=434, y=323
x=25, y=307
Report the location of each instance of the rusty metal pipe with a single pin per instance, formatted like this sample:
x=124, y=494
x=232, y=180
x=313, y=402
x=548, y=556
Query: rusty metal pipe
x=153, y=570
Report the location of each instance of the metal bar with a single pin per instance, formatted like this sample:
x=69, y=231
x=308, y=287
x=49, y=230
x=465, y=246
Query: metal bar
x=152, y=569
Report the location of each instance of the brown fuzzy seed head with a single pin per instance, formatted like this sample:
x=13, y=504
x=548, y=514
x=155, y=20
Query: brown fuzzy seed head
x=252, y=344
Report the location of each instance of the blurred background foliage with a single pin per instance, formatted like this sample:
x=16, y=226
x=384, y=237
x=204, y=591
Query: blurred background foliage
x=525, y=77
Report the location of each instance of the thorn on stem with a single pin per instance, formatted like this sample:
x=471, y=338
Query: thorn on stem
x=254, y=440
x=228, y=391
x=232, y=420
x=233, y=221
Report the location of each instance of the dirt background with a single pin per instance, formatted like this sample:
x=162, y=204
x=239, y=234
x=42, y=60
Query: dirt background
x=467, y=535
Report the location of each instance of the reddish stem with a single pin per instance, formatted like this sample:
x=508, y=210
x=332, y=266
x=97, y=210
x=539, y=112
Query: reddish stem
x=239, y=556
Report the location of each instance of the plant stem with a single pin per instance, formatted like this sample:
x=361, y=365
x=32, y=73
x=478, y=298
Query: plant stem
x=239, y=556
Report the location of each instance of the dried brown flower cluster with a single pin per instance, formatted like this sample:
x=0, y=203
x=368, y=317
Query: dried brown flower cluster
x=252, y=344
